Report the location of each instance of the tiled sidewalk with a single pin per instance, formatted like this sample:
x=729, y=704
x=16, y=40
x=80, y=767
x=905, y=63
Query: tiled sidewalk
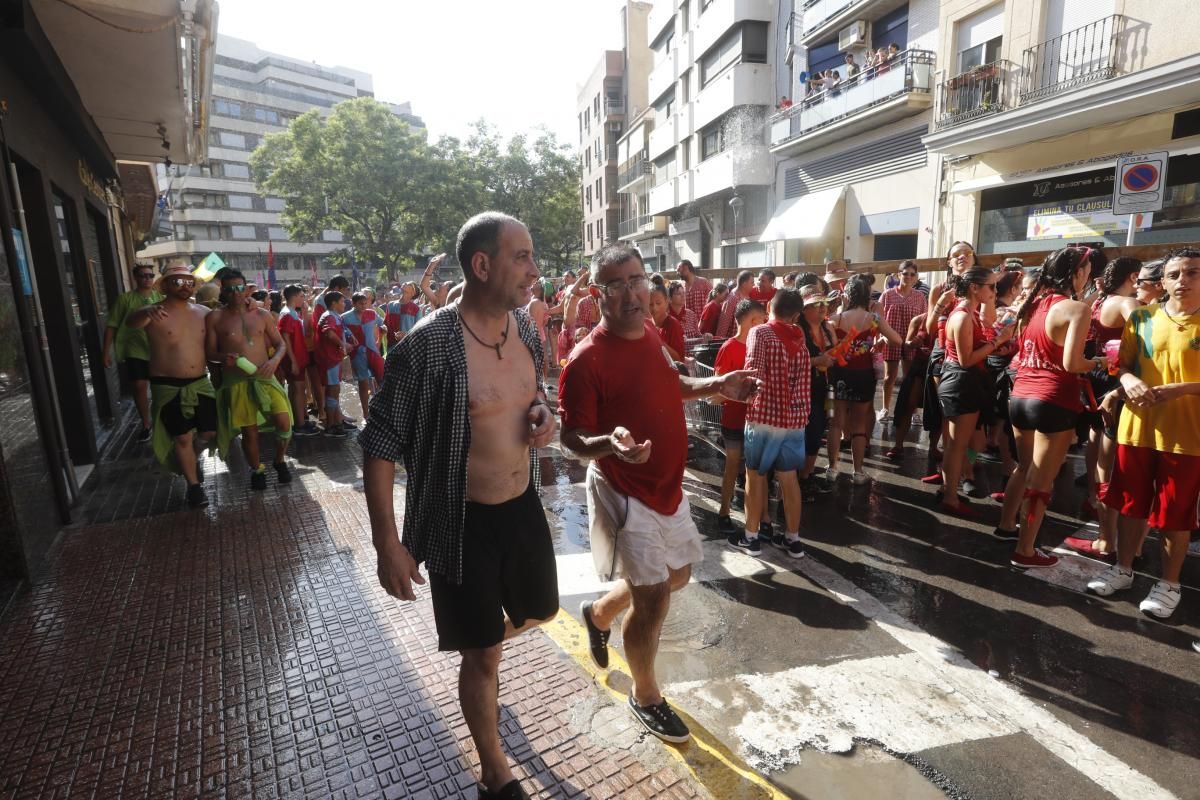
x=247, y=650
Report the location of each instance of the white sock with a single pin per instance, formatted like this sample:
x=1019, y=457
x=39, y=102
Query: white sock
x=792, y=537
x=751, y=535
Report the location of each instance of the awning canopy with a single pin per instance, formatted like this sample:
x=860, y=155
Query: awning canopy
x=803, y=217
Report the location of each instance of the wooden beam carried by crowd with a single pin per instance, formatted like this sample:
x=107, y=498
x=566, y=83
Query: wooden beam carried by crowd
x=1032, y=258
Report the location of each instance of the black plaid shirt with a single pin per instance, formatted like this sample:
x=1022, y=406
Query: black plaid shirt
x=421, y=416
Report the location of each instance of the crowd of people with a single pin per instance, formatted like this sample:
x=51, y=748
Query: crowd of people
x=830, y=82
x=212, y=361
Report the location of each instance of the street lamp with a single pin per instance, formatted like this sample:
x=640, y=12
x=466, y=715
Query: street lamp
x=735, y=205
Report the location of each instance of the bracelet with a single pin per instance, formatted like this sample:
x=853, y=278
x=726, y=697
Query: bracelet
x=541, y=403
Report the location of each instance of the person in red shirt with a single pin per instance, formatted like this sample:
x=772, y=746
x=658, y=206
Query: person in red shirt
x=316, y=379
x=730, y=358
x=668, y=328
x=697, y=288
x=764, y=287
x=333, y=346
x=292, y=370
x=690, y=320
x=621, y=401
x=726, y=326
x=710, y=315
x=775, y=418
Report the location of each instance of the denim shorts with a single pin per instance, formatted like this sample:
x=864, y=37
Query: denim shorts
x=361, y=367
x=767, y=448
x=333, y=375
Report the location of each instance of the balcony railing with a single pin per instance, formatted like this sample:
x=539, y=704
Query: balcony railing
x=979, y=92
x=636, y=168
x=629, y=227
x=1076, y=58
x=612, y=106
x=910, y=71
x=817, y=11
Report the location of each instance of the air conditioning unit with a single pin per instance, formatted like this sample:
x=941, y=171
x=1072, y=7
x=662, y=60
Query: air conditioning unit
x=853, y=36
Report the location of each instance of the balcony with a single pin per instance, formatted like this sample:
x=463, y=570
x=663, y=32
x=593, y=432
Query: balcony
x=662, y=12
x=614, y=106
x=740, y=165
x=980, y=92
x=663, y=75
x=1077, y=58
x=820, y=18
x=900, y=88
x=636, y=169
x=744, y=84
x=644, y=225
x=718, y=18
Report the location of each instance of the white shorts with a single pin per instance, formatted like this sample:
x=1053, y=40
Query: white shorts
x=631, y=540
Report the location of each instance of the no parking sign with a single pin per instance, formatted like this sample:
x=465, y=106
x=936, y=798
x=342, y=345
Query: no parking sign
x=1140, y=184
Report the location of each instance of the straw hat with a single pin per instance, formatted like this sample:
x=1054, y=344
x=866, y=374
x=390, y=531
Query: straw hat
x=812, y=294
x=836, y=270
x=176, y=269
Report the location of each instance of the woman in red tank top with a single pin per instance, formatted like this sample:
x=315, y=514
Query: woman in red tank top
x=964, y=389
x=1047, y=395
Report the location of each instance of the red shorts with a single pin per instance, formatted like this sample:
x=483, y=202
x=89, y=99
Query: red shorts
x=1161, y=488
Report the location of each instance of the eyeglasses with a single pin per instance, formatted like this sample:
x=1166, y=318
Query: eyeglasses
x=237, y=287
x=617, y=288
x=1147, y=282
x=181, y=281
x=145, y=276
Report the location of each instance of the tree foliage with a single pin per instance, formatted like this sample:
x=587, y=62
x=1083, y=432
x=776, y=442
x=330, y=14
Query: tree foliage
x=395, y=196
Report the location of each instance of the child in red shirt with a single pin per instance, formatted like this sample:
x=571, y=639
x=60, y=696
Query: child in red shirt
x=730, y=358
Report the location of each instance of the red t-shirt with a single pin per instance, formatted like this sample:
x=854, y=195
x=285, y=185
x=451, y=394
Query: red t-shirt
x=329, y=354
x=671, y=333
x=610, y=381
x=710, y=316
x=730, y=358
x=761, y=296
x=291, y=328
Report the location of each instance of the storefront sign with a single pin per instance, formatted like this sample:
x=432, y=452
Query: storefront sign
x=1140, y=183
x=1085, y=218
x=90, y=183
x=22, y=264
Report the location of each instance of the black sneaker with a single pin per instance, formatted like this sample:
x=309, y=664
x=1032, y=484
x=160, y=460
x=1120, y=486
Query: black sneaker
x=196, y=498
x=283, y=473
x=336, y=433
x=765, y=531
x=347, y=425
x=779, y=540
x=258, y=480
x=739, y=542
x=511, y=791
x=793, y=547
x=144, y=436
x=307, y=429
x=725, y=527
x=1002, y=533
x=661, y=720
x=597, y=639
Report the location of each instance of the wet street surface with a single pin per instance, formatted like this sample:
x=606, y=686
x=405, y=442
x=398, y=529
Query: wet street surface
x=247, y=650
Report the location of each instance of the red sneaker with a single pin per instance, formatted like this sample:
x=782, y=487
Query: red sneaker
x=958, y=510
x=1086, y=547
x=1035, y=561
x=933, y=480
x=997, y=496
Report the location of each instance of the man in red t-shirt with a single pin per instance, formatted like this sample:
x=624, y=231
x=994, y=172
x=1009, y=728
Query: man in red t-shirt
x=732, y=357
x=621, y=401
x=316, y=377
x=292, y=369
x=332, y=348
x=697, y=288
x=764, y=287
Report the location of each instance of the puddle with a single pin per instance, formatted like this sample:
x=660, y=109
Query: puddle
x=864, y=773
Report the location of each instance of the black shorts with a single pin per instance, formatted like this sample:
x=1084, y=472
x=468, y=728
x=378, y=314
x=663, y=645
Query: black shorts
x=204, y=417
x=507, y=568
x=853, y=385
x=966, y=391
x=733, y=435
x=818, y=422
x=1030, y=414
x=138, y=369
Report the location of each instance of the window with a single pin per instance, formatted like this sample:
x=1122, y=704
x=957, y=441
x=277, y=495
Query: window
x=685, y=84
x=224, y=108
x=242, y=232
x=275, y=204
x=600, y=229
x=825, y=56
x=664, y=168
x=236, y=170
x=665, y=105
x=892, y=28
x=277, y=233
x=979, y=37
x=266, y=115
x=229, y=139
x=746, y=44
x=241, y=201
x=685, y=154
x=712, y=141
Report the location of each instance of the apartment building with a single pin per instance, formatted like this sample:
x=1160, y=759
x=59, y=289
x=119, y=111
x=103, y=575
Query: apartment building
x=853, y=178
x=635, y=177
x=216, y=207
x=613, y=93
x=1034, y=102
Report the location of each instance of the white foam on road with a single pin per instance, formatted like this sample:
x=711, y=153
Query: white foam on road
x=899, y=700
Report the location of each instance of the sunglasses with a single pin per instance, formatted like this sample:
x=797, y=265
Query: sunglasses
x=181, y=281
x=1146, y=282
x=237, y=287
x=145, y=276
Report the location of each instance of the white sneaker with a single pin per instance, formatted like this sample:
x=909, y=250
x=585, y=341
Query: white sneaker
x=859, y=478
x=881, y=415
x=1162, y=600
x=1113, y=579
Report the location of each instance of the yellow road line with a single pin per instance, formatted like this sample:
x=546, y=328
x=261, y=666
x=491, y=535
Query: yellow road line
x=712, y=764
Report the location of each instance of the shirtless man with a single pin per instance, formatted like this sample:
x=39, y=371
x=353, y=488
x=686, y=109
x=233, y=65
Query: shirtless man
x=539, y=312
x=237, y=335
x=463, y=405
x=182, y=398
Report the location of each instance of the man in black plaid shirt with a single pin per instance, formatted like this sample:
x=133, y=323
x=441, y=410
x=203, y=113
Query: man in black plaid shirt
x=463, y=405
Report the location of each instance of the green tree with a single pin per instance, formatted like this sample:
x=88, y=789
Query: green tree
x=361, y=171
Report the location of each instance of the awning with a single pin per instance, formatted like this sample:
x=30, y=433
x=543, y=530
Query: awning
x=803, y=217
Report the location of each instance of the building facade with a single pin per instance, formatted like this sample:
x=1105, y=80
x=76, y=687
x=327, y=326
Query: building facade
x=216, y=207
x=1036, y=100
x=711, y=87
x=853, y=178
x=614, y=93
x=635, y=177
x=89, y=106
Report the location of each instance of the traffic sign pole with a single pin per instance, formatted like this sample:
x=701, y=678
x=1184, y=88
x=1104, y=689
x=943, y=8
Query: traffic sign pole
x=1129, y=233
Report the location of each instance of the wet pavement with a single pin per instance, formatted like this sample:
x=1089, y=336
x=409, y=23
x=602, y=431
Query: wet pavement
x=247, y=650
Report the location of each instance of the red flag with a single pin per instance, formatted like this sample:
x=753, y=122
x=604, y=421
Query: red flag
x=270, y=254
